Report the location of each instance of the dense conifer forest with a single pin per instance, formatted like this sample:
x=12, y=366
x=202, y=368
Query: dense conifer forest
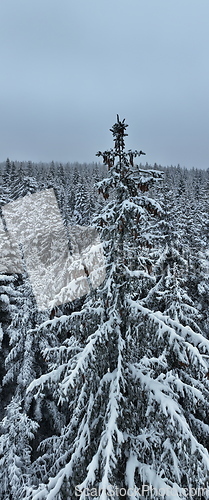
x=106, y=395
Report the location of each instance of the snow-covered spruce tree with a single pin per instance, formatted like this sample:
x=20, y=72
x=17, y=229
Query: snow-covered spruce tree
x=8, y=307
x=17, y=432
x=22, y=320
x=16, y=428
x=132, y=419
x=169, y=295
x=20, y=347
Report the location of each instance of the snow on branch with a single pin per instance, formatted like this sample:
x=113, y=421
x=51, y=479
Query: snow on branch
x=165, y=325
x=159, y=392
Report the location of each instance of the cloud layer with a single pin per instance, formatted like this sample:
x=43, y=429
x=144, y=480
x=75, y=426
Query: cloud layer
x=67, y=68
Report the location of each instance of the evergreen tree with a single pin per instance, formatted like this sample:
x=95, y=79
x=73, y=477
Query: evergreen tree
x=15, y=451
x=118, y=389
x=120, y=374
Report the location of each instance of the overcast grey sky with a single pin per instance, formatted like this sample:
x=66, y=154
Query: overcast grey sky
x=68, y=66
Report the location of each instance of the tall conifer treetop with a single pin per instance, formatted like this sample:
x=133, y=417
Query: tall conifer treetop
x=126, y=176
x=118, y=131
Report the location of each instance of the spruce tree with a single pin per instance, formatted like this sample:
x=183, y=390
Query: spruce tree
x=17, y=433
x=133, y=417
